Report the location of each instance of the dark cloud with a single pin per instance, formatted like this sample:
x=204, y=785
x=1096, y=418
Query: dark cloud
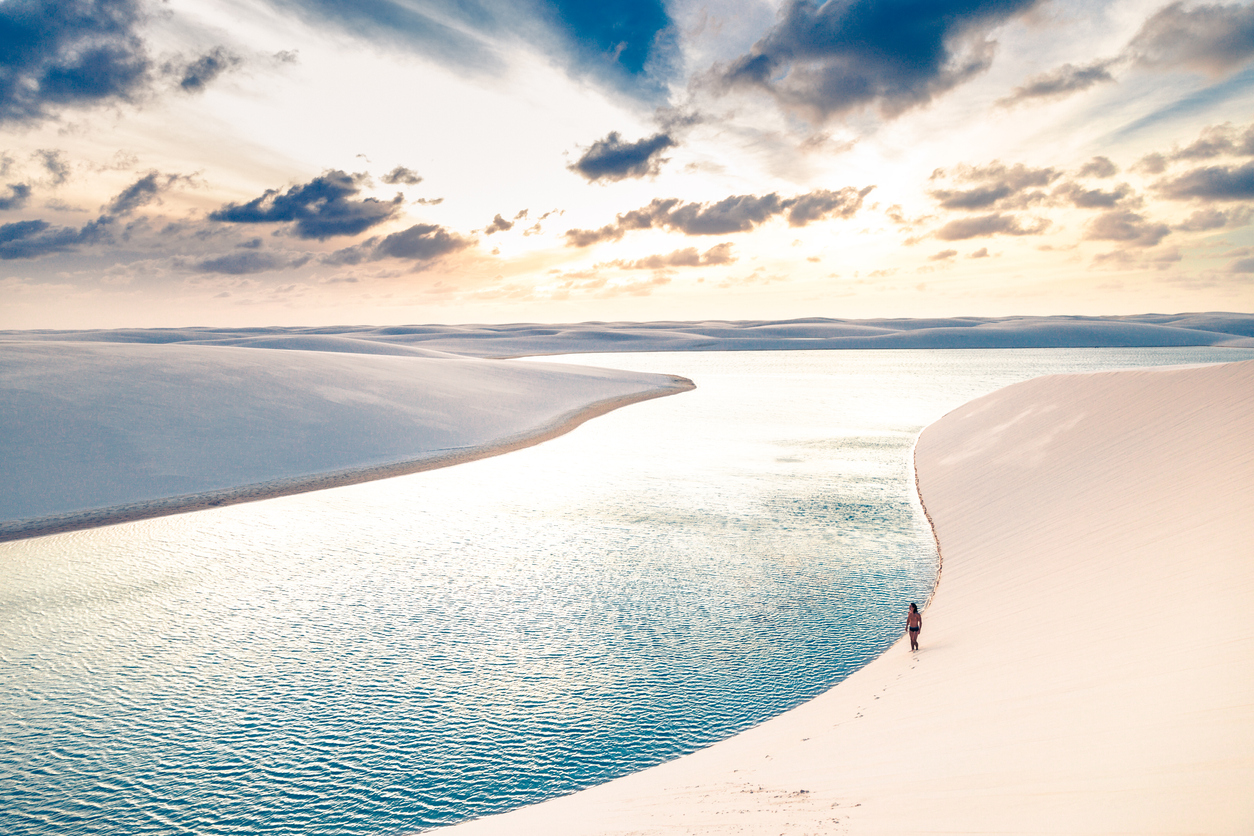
x=31, y=239
x=68, y=52
x=1210, y=183
x=245, y=263
x=1241, y=265
x=419, y=243
x=613, y=159
x=1060, y=82
x=738, y=213
x=1211, y=38
x=943, y=255
x=833, y=57
x=1128, y=227
x=1083, y=198
x=140, y=193
x=18, y=194
x=1005, y=187
x=994, y=224
x=195, y=75
x=982, y=252
x=687, y=257
x=402, y=176
x=322, y=208
x=498, y=224
x=1098, y=167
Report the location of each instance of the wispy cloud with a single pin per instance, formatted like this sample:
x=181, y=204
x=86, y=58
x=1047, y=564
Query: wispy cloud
x=738, y=213
x=1061, y=81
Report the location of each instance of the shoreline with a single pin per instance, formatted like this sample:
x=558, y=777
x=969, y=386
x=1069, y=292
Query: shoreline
x=167, y=506
x=1083, y=668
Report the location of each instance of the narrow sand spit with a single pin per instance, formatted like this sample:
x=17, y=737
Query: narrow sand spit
x=1086, y=662
x=100, y=433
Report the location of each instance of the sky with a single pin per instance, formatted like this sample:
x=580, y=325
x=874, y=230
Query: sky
x=313, y=162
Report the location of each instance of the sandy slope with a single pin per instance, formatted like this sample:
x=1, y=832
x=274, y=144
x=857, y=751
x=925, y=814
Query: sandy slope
x=1087, y=665
x=98, y=432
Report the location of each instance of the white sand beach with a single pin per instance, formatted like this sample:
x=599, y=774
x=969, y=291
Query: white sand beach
x=1085, y=664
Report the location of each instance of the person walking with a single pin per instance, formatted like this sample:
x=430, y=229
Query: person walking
x=914, y=625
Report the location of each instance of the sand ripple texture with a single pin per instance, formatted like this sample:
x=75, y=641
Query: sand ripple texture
x=389, y=657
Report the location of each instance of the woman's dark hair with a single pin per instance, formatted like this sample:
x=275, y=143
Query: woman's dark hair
x=914, y=607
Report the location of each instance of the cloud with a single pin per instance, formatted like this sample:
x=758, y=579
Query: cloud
x=995, y=224
x=613, y=159
x=1061, y=81
x=1083, y=198
x=1128, y=227
x=195, y=75
x=982, y=252
x=31, y=239
x=1218, y=141
x=322, y=208
x=833, y=57
x=19, y=193
x=688, y=257
x=1241, y=265
x=1211, y=38
x=56, y=53
x=1204, y=220
x=1126, y=259
x=998, y=185
x=54, y=163
x=419, y=243
x=248, y=262
x=1210, y=183
x=401, y=176
x=498, y=224
x=1098, y=167
x=1213, y=141
x=943, y=255
x=140, y=193
x=738, y=213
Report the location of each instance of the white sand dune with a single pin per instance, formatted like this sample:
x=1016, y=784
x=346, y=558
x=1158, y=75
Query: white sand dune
x=106, y=426
x=1086, y=662
x=98, y=432
x=515, y=340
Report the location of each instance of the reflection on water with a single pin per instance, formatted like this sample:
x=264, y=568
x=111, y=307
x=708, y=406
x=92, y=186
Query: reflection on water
x=396, y=655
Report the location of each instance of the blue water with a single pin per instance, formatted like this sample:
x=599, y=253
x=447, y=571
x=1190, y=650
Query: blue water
x=393, y=656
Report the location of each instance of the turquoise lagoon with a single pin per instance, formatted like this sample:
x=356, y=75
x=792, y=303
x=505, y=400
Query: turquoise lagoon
x=393, y=656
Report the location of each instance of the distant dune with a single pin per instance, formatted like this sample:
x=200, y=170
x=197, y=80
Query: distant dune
x=105, y=426
x=1197, y=329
